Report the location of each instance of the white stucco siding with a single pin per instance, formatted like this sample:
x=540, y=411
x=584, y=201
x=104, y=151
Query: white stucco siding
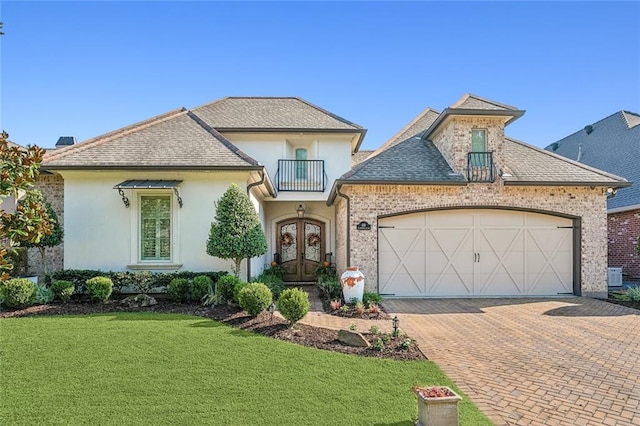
x=334, y=149
x=101, y=233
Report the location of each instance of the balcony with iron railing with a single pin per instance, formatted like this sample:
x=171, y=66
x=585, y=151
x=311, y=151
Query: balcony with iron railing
x=480, y=167
x=301, y=175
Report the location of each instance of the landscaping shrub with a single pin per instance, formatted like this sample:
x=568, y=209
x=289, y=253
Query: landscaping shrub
x=255, y=298
x=62, y=290
x=200, y=287
x=99, y=288
x=294, y=304
x=236, y=290
x=18, y=293
x=226, y=286
x=43, y=294
x=141, y=281
x=330, y=288
x=634, y=293
x=178, y=290
x=370, y=298
x=271, y=280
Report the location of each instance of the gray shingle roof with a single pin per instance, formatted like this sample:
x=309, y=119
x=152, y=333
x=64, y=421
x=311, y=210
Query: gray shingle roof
x=360, y=156
x=528, y=164
x=469, y=101
x=614, y=146
x=418, y=125
x=411, y=161
x=176, y=139
x=264, y=113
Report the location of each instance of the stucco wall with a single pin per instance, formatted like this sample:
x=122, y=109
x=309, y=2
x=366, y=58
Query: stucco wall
x=624, y=231
x=52, y=187
x=101, y=233
x=368, y=202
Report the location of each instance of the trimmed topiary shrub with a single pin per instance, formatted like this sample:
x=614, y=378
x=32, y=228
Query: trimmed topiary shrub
x=226, y=286
x=200, y=287
x=178, y=290
x=294, y=304
x=99, y=288
x=62, y=290
x=18, y=293
x=236, y=290
x=255, y=298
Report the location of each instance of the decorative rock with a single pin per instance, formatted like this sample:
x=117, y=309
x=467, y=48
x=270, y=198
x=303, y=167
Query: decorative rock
x=139, y=301
x=353, y=338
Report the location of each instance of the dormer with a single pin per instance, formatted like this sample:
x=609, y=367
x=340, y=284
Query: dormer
x=470, y=136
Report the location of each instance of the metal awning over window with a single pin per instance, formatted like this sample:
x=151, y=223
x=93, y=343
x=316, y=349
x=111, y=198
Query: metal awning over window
x=148, y=184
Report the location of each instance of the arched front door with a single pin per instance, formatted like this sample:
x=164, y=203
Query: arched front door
x=301, y=247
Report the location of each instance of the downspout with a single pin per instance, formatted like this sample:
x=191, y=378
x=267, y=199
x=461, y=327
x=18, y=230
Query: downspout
x=251, y=185
x=346, y=197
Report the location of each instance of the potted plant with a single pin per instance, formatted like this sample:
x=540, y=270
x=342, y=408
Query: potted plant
x=352, y=281
x=437, y=406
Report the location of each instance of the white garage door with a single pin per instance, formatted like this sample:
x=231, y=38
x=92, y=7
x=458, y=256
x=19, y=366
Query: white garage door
x=467, y=253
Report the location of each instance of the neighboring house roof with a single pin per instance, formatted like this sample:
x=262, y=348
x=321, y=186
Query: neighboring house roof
x=611, y=144
x=177, y=139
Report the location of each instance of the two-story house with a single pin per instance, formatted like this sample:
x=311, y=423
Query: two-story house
x=449, y=206
x=142, y=197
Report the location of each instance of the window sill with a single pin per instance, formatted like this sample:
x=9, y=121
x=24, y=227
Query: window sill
x=161, y=266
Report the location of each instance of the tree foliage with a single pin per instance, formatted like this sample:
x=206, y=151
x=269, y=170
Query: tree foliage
x=236, y=232
x=57, y=232
x=29, y=223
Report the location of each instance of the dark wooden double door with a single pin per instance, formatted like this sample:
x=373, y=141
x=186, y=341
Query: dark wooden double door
x=301, y=248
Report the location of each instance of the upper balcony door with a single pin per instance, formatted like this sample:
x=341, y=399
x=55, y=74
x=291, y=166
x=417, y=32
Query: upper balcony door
x=301, y=247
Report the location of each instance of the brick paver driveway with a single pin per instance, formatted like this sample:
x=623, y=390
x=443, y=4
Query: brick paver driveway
x=534, y=361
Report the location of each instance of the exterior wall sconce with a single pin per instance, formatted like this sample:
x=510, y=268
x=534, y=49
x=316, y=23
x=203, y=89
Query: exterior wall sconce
x=300, y=210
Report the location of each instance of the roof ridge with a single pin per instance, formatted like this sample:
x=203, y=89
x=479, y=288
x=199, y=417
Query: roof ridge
x=98, y=140
x=567, y=160
x=226, y=142
x=329, y=113
x=480, y=98
x=626, y=119
x=592, y=124
x=396, y=136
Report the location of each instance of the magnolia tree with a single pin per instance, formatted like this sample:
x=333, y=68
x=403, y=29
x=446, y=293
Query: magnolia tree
x=29, y=223
x=57, y=233
x=236, y=232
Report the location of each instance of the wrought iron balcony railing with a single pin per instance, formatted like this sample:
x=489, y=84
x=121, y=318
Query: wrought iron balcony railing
x=480, y=167
x=301, y=175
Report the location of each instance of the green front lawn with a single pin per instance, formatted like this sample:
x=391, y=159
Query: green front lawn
x=177, y=369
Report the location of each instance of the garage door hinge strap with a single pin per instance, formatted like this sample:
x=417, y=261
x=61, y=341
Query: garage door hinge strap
x=380, y=227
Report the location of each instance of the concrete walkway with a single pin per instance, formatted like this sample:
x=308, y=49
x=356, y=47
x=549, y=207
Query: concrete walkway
x=564, y=361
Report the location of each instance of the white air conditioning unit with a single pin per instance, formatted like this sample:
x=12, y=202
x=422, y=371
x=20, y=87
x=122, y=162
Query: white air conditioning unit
x=615, y=277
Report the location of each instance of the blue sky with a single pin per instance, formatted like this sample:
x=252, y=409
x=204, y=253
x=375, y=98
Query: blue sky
x=85, y=68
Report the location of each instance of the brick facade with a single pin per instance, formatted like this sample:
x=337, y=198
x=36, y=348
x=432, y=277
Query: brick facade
x=369, y=202
x=624, y=231
x=52, y=187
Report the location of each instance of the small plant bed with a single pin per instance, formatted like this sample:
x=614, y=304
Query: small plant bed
x=629, y=297
x=265, y=324
x=355, y=311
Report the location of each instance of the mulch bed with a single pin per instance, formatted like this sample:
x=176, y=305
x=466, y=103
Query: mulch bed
x=265, y=324
x=627, y=303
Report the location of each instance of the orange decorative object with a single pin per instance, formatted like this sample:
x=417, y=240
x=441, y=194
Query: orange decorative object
x=352, y=281
x=274, y=263
x=326, y=264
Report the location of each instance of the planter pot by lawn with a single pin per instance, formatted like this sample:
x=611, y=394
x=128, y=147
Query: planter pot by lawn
x=437, y=406
x=352, y=281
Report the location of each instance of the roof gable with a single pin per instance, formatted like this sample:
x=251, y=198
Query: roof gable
x=470, y=101
x=176, y=139
x=270, y=113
